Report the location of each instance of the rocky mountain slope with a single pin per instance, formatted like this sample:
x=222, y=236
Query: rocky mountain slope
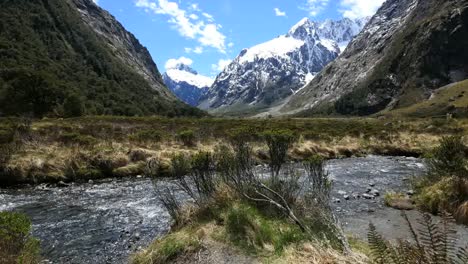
x=70, y=58
x=186, y=83
x=264, y=75
x=408, y=49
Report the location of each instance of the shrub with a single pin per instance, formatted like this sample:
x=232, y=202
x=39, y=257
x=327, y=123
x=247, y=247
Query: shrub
x=448, y=159
x=201, y=182
x=187, y=137
x=437, y=197
x=147, y=136
x=16, y=244
x=279, y=142
x=318, y=182
x=73, y=138
x=73, y=106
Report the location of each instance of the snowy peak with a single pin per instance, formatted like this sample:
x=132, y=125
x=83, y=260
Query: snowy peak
x=266, y=74
x=184, y=73
x=186, y=83
x=280, y=46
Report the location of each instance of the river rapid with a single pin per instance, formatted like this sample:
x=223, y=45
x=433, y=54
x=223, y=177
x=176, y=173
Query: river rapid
x=105, y=222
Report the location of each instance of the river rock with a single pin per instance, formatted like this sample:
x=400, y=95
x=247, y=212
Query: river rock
x=91, y=182
x=375, y=193
x=336, y=200
x=62, y=184
x=346, y=197
x=368, y=196
x=410, y=192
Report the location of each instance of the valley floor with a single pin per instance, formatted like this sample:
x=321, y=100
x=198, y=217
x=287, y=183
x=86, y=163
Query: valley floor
x=89, y=148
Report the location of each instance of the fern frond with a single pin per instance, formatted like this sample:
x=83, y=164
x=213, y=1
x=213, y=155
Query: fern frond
x=431, y=239
x=449, y=239
x=378, y=245
x=462, y=256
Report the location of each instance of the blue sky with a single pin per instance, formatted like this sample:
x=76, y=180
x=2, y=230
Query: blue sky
x=209, y=33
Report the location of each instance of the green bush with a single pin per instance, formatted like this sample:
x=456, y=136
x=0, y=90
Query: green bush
x=251, y=231
x=74, y=138
x=449, y=158
x=147, y=136
x=279, y=142
x=16, y=244
x=187, y=137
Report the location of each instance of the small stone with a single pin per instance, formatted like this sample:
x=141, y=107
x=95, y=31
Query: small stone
x=371, y=184
x=269, y=247
x=139, y=176
x=369, y=190
x=410, y=192
x=346, y=197
x=308, y=248
x=336, y=200
x=375, y=193
x=341, y=192
x=90, y=181
x=62, y=184
x=368, y=196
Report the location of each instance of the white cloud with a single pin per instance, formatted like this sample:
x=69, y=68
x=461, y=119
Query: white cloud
x=205, y=32
x=230, y=44
x=315, y=7
x=220, y=65
x=360, y=8
x=197, y=50
x=172, y=63
x=278, y=12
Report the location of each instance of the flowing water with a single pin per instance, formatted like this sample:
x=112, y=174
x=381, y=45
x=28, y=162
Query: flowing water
x=105, y=222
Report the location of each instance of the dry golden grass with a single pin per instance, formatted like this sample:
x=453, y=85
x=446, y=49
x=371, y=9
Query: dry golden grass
x=47, y=154
x=314, y=253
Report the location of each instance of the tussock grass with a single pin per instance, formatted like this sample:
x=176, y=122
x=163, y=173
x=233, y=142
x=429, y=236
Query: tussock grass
x=398, y=201
x=168, y=248
x=93, y=142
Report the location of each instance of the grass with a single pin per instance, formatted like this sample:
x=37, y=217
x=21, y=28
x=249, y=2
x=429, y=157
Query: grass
x=107, y=146
x=16, y=244
x=244, y=230
x=449, y=99
x=168, y=248
x=398, y=201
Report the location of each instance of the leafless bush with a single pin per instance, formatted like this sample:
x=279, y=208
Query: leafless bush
x=196, y=176
x=318, y=185
x=169, y=200
x=279, y=142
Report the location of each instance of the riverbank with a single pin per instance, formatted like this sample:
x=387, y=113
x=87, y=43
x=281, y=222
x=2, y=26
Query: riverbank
x=123, y=215
x=90, y=148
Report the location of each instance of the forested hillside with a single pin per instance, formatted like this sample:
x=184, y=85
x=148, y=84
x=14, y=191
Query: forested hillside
x=53, y=64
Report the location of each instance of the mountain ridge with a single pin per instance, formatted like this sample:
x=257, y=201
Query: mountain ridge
x=55, y=61
x=264, y=75
x=408, y=49
x=186, y=83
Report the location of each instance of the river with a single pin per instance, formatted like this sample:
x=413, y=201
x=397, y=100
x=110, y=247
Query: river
x=105, y=222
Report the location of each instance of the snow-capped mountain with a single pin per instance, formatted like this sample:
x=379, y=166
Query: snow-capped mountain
x=186, y=83
x=408, y=49
x=264, y=75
